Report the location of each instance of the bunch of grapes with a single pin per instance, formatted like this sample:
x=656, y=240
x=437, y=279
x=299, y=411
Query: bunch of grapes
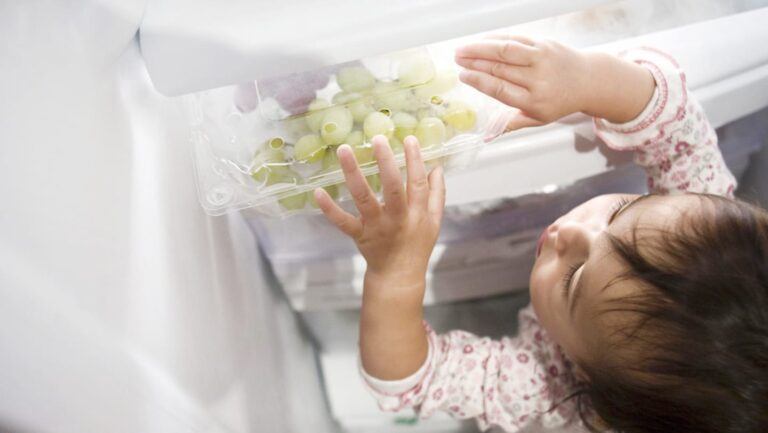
x=413, y=104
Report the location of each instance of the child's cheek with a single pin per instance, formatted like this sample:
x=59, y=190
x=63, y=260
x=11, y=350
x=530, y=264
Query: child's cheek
x=539, y=291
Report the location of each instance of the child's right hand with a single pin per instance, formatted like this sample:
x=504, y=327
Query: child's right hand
x=395, y=237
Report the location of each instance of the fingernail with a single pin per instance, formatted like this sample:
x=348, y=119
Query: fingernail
x=343, y=147
x=379, y=139
x=410, y=140
x=463, y=75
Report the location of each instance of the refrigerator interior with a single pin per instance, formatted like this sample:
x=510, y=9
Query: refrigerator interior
x=478, y=273
x=126, y=309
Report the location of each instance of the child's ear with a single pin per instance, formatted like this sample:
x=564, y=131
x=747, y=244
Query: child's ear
x=581, y=377
x=579, y=374
x=600, y=424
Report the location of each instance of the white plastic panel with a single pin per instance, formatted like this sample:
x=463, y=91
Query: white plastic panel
x=192, y=45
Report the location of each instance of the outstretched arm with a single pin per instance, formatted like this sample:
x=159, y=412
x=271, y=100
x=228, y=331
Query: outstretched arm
x=639, y=100
x=396, y=238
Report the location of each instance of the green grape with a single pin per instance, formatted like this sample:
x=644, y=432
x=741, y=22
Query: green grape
x=363, y=153
x=273, y=173
x=336, y=125
x=443, y=83
x=296, y=127
x=423, y=113
x=294, y=202
x=332, y=191
x=260, y=174
x=309, y=148
x=374, y=181
x=344, y=97
x=315, y=114
x=273, y=150
x=359, y=105
x=361, y=108
x=271, y=153
x=355, y=138
x=390, y=96
x=430, y=110
x=276, y=143
x=378, y=123
x=396, y=145
x=405, y=124
x=355, y=79
x=415, y=70
x=460, y=115
x=330, y=160
x=430, y=132
x=450, y=132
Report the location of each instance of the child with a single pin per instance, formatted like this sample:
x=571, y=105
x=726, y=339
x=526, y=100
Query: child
x=649, y=313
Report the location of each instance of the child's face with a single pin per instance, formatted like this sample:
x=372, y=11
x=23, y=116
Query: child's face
x=575, y=263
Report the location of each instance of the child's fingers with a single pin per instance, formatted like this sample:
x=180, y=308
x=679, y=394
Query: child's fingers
x=417, y=185
x=505, y=51
x=519, y=38
x=504, y=91
x=358, y=187
x=519, y=75
x=436, y=193
x=392, y=183
x=520, y=121
x=347, y=223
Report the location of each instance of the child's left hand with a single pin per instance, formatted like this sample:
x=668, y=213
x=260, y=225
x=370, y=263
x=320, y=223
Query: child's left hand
x=545, y=80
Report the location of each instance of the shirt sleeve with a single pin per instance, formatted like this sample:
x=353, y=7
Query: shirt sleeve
x=510, y=383
x=672, y=138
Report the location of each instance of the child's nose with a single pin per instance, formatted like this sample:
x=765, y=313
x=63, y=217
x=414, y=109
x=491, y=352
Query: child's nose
x=574, y=238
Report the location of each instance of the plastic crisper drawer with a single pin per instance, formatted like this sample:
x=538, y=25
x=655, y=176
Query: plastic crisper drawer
x=268, y=144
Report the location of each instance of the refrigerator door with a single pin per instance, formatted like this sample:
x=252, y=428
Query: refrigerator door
x=123, y=307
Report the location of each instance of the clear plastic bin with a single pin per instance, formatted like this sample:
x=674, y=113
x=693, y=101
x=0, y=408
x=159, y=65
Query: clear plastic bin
x=267, y=145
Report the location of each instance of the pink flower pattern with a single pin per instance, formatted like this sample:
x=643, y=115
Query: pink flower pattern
x=678, y=148
x=517, y=381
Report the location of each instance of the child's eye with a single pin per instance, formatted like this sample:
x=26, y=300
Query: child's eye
x=619, y=205
x=568, y=278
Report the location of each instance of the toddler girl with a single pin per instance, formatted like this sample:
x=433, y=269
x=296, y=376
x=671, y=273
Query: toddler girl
x=649, y=313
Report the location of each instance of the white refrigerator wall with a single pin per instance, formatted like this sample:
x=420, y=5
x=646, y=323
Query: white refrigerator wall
x=123, y=308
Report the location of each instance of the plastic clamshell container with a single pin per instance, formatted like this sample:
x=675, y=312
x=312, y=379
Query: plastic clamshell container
x=267, y=145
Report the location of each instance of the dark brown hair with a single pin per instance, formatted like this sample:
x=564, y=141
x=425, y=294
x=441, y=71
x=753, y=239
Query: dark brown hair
x=699, y=336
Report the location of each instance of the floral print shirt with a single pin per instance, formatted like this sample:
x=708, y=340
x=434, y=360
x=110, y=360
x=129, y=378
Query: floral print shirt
x=517, y=381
